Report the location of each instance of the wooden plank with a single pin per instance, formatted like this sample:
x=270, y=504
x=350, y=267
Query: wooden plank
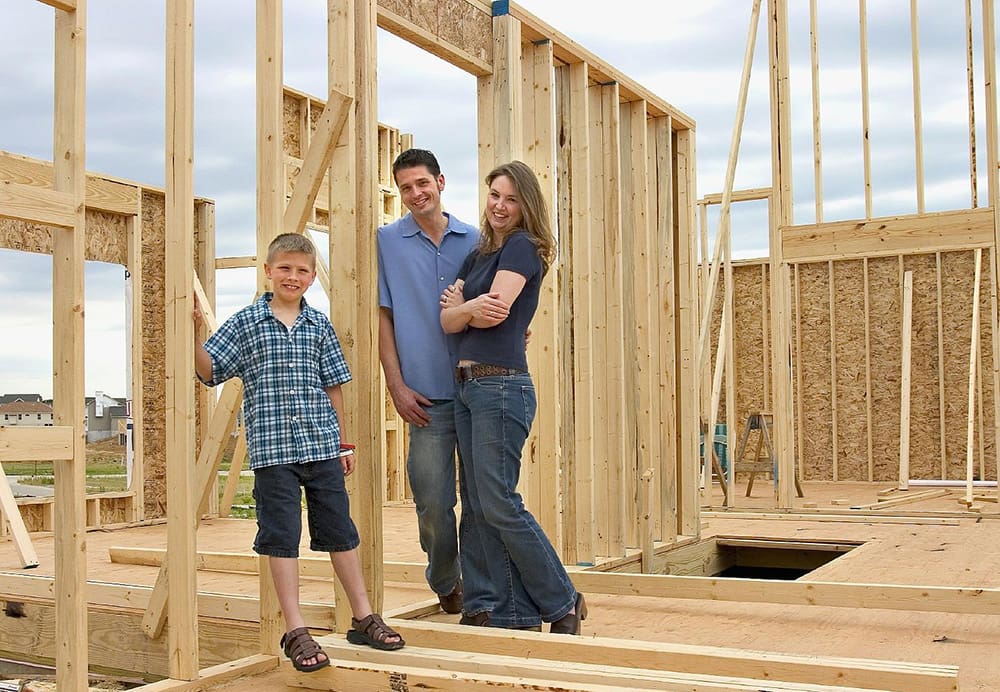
x=971, y=84
x=831, y=515
x=68, y=254
x=663, y=335
x=681, y=658
x=909, y=498
x=974, y=350
x=102, y=193
x=63, y=5
x=214, y=676
x=134, y=225
x=869, y=435
x=204, y=289
x=904, y=383
x=179, y=279
x=918, y=120
x=993, y=178
x=942, y=423
x=583, y=313
x=435, y=45
x=890, y=235
x=233, y=478
x=508, y=110
x=866, y=147
x=446, y=669
x=831, y=282
x=37, y=204
x=747, y=195
x=36, y=444
x=816, y=129
x=545, y=349
x=317, y=158
x=12, y=513
x=236, y=262
x=929, y=599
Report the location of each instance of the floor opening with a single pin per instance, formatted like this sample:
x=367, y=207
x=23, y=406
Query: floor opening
x=754, y=558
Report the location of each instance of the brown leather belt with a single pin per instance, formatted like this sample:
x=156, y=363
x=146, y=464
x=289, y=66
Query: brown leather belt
x=471, y=372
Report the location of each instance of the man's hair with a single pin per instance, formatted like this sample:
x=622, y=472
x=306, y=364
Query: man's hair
x=411, y=158
x=291, y=242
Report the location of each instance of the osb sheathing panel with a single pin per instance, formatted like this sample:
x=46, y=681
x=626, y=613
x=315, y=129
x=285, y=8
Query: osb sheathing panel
x=291, y=140
x=852, y=430
x=105, y=237
x=817, y=434
x=925, y=435
x=885, y=326
x=463, y=25
x=154, y=392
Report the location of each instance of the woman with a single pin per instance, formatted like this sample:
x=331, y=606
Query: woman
x=491, y=306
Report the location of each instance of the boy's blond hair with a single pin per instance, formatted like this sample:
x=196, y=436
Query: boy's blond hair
x=291, y=242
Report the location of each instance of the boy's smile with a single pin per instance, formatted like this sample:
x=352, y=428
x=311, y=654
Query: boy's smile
x=291, y=275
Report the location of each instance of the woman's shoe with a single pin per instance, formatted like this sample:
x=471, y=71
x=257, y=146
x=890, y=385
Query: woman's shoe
x=570, y=623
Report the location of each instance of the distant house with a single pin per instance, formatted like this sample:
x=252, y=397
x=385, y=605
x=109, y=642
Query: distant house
x=21, y=412
x=14, y=398
x=104, y=416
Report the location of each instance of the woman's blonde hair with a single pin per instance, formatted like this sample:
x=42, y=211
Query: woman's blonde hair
x=534, y=212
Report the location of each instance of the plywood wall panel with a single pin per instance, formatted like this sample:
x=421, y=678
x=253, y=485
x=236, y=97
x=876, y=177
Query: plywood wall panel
x=852, y=424
x=886, y=359
x=749, y=345
x=925, y=433
x=155, y=357
x=291, y=139
x=817, y=432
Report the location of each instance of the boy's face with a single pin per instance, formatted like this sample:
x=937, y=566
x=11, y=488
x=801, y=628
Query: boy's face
x=291, y=274
x=420, y=191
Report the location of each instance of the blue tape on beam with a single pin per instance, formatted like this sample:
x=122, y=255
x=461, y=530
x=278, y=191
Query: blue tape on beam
x=501, y=7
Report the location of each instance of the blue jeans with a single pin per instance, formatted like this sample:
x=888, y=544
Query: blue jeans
x=430, y=466
x=493, y=416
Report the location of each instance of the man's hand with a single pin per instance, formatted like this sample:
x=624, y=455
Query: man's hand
x=410, y=405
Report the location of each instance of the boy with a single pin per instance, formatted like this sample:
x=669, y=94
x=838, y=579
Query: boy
x=292, y=368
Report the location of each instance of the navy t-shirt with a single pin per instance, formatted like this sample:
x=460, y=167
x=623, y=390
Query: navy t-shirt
x=503, y=344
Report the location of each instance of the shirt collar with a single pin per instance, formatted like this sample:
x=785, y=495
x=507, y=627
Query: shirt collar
x=411, y=228
x=262, y=309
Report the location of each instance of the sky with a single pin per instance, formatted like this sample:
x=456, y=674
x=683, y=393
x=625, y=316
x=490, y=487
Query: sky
x=689, y=53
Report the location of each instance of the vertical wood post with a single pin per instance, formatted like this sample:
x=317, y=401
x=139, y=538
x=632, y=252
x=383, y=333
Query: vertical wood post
x=182, y=504
x=67, y=350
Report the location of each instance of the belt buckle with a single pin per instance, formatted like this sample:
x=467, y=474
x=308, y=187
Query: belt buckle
x=464, y=373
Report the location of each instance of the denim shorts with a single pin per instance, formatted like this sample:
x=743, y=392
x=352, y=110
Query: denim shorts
x=279, y=509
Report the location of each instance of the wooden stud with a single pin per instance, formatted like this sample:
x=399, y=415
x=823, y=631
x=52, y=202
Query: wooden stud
x=866, y=146
x=219, y=675
x=233, y=479
x=942, y=425
x=668, y=254
x=993, y=178
x=904, y=380
x=204, y=287
x=730, y=366
x=62, y=5
x=971, y=81
x=918, y=126
x=816, y=131
x=508, y=111
x=544, y=351
x=134, y=228
x=781, y=213
x=583, y=319
x=973, y=367
x=799, y=415
x=834, y=433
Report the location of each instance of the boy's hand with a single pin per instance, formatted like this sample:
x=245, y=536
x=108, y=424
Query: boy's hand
x=347, y=463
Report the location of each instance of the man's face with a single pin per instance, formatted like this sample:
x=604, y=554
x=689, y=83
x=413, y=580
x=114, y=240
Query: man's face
x=420, y=191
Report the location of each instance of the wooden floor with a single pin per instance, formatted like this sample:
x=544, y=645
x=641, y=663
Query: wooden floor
x=961, y=550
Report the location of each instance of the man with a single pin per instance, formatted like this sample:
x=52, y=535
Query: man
x=418, y=257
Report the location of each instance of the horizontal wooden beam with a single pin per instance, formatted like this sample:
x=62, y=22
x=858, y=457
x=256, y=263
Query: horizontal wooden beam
x=217, y=675
x=29, y=443
x=135, y=598
x=568, y=51
x=904, y=499
x=748, y=195
x=313, y=567
x=103, y=194
x=931, y=599
x=236, y=262
x=64, y=5
x=37, y=204
x=682, y=659
x=890, y=235
x=418, y=36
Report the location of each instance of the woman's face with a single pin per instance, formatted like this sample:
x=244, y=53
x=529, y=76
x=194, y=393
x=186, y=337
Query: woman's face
x=503, y=206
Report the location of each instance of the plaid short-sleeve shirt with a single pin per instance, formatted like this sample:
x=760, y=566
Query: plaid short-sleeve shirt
x=285, y=373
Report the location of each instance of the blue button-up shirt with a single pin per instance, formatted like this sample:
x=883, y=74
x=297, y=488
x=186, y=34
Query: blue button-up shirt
x=412, y=274
x=285, y=373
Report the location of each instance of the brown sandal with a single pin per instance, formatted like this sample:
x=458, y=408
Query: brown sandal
x=300, y=646
x=373, y=632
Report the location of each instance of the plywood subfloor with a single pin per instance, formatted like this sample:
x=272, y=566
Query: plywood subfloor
x=964, y=553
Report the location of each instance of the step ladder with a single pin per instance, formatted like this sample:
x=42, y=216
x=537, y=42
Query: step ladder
x=763, y=460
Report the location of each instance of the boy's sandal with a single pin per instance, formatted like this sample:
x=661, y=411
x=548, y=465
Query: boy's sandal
x=373, y=632
x=299, y=646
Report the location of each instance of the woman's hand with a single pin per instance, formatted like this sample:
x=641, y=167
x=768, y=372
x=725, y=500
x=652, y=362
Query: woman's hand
x=452, y=296
x=487, y=310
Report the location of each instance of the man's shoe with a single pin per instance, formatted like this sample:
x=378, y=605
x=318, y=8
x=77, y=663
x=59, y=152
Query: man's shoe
x=480, y=619
x=452, y=602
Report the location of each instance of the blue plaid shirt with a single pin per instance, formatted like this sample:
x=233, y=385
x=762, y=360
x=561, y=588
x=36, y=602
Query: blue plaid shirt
x=285, y=373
